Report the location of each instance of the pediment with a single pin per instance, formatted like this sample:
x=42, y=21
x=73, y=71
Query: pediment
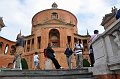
x=107, y=17
x=57, y=21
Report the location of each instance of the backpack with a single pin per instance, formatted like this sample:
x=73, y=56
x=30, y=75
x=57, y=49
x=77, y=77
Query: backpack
x=45, y=52
x=48, y=54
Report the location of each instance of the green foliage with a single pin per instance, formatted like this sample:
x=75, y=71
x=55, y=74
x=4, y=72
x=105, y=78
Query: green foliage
x=24, y=64
x=86, y=63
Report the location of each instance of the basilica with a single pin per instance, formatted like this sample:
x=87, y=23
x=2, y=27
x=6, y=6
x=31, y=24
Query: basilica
x=59, y=26
x=54, y=25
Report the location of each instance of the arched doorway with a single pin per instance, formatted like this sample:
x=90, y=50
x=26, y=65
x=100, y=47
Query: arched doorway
x=54, y=37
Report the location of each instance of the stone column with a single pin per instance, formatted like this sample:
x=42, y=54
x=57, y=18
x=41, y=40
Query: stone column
x=35, y=42
x=8, y=51
x=61, y=40
x=30, y=44
x=72, y=41
x=26, y=46
x=47, y=38
x=4, y=47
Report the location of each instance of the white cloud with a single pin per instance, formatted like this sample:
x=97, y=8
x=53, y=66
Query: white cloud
x=17, y=14
x=93, y=13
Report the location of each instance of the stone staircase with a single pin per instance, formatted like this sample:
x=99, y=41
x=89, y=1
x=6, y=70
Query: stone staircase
x=47, y=74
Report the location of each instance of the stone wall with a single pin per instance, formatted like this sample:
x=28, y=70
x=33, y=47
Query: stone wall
x=107, y=53
x=5, y=55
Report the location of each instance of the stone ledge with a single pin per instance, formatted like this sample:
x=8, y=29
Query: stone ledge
x=49, y=74
x=100, y=69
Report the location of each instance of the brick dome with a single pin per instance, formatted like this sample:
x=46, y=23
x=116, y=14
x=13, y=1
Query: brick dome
x=54, y=13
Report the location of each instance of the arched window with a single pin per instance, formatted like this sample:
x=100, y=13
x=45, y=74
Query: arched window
x=54, y=15
x=1, y=45
x=6, y=49
x=54, y=37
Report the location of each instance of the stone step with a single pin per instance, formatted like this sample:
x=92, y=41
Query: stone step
x=86, y=78
x=47, y=74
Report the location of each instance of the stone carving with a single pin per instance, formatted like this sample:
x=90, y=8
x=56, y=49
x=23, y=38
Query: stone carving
x=117, y=37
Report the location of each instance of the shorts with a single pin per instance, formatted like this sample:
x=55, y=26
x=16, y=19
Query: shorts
x=36, y=63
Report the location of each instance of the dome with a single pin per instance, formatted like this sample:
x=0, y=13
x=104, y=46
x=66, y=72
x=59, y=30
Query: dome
x=54, y=13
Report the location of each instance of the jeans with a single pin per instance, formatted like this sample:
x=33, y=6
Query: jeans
x=79, y=60
x=17, y=63
x=55, y=62
x=69, y=61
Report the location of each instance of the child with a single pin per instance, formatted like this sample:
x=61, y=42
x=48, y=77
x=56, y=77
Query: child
x=36, y=60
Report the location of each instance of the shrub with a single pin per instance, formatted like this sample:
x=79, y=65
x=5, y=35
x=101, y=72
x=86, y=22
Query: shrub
x=86, y=63
x=24, y=63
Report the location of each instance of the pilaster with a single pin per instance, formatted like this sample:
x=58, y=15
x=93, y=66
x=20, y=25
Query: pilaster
x=35, y=41
x=30, y=44
x=26, y=46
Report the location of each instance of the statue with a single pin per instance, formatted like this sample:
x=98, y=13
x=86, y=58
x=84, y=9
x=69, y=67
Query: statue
x=19, y=51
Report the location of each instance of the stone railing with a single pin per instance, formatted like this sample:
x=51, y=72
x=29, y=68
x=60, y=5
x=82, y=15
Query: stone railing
x=107, y=51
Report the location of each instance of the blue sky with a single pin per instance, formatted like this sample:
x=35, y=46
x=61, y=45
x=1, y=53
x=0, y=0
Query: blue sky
x=17, y=14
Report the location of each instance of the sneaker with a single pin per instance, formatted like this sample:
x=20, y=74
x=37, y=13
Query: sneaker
x=61, y=68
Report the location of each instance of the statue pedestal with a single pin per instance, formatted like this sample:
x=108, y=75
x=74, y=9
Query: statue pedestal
x=48, y=64
x=107, y=53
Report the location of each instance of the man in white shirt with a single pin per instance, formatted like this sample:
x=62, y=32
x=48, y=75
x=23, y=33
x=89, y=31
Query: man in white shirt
x=78, y=47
